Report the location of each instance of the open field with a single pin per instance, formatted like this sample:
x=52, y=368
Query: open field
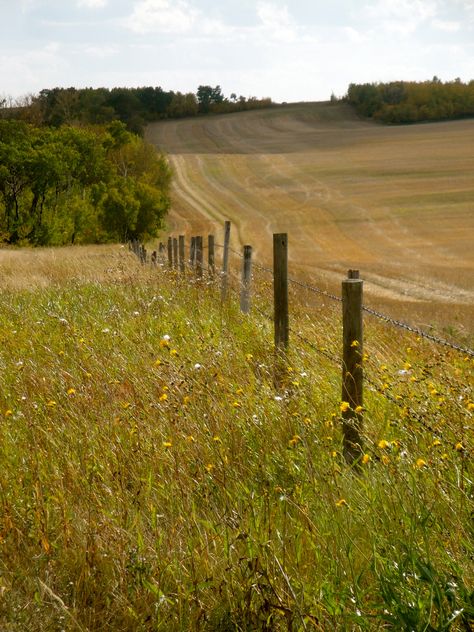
x=154, y=478
x=396, y=202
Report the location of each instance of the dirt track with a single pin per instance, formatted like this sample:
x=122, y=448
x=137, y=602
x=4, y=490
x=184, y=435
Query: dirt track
x=396, y=202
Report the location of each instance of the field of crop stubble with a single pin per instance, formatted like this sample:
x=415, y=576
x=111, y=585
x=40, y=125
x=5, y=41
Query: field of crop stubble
x=396, y=202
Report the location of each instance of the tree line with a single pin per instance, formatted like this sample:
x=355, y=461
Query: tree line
x=79, y=184
x=411, y=101
x=135, y=107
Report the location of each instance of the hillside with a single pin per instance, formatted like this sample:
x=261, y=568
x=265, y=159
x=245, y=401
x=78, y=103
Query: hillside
x=396, y=202
x=155, y=478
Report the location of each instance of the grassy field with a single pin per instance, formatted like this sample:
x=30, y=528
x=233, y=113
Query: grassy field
x=396, y=202
x=154, y=479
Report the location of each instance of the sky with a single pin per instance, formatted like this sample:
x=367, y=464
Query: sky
x=293, y=50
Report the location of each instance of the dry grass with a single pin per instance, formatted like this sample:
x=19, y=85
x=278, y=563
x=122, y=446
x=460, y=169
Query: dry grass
x=153, y=478
x=396, y=202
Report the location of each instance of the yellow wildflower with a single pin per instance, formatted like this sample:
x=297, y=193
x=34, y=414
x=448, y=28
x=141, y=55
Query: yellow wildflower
x=51, y=403
x=366, y=458
x=341, y=503
x=174, y=352
x=420, y=463
x=125, y=405
x=344, y=406
x=249, y=357
x=163, y=397
x=435, y=443
x=216, y=439
x=71, y=391
x=383, y=444
x=167, y=444
x=239, y=391
x=385, y=459
x=355, y=343
x=459, y=447
x=294, y=440
x=157, y=362
x=209, y=467
x=359, y=409
x=470, y=406
x=237, y=405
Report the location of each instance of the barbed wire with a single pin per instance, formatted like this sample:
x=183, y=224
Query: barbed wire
x=416, y=330
x=381, y=316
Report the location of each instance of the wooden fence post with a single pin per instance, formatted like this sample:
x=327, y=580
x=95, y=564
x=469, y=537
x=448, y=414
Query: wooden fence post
x=352, y=371
x=246, y=280
x=210, y=254
x=199, y=256
x=153, y=259
x=280, y=290
x=192, y=252
x=181, y=253
x=170, y=252
x=175, y=252
x=225, y=260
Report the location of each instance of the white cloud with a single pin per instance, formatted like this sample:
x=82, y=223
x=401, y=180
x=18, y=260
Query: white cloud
x=276, y=21
x=445, y=25
x=101, y=52
x=92, y=4
x=150, y=16
x=403, y=16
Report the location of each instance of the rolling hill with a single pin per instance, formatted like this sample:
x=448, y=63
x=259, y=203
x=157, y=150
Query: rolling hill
x=395, y=201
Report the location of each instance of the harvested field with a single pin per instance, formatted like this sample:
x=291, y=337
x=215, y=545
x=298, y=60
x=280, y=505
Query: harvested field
x=396, y=202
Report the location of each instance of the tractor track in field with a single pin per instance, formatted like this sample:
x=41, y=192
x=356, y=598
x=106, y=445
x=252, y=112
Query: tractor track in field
x=349, y=193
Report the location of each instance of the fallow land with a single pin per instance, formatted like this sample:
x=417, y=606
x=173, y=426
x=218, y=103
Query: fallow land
x=395, y=201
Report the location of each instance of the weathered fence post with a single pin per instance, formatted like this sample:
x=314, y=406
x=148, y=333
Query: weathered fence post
x=246, y=280
x=181, y=253
x=280, y=291
x=170, y=252
x=210, y=254
x=175, y=252
x=153, y=259
x=225, y=261
x=352, y=371
x=192, y=252
x=199, y=256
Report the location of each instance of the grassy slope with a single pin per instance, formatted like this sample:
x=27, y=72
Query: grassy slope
x=154, y=484
x=396, y=202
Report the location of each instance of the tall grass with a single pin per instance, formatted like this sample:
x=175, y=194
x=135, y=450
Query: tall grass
x=153, y=477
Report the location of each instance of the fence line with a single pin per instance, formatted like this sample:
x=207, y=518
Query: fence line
x=388, y=319
x=352, y=361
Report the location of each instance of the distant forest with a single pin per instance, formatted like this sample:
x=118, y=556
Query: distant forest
x=135, y=107
x=73, y=168
x=412, y=102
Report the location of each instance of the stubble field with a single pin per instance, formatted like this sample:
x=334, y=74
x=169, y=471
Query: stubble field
x=395, y=202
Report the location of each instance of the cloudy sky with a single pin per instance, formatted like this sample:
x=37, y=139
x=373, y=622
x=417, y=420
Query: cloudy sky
x=291, y=50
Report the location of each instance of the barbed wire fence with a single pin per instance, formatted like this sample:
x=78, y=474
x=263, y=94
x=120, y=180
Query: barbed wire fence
x=417, y=391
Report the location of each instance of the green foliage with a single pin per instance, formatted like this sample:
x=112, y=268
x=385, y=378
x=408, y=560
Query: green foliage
x=410, y=101
x=135, y=107
x=78, y=185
